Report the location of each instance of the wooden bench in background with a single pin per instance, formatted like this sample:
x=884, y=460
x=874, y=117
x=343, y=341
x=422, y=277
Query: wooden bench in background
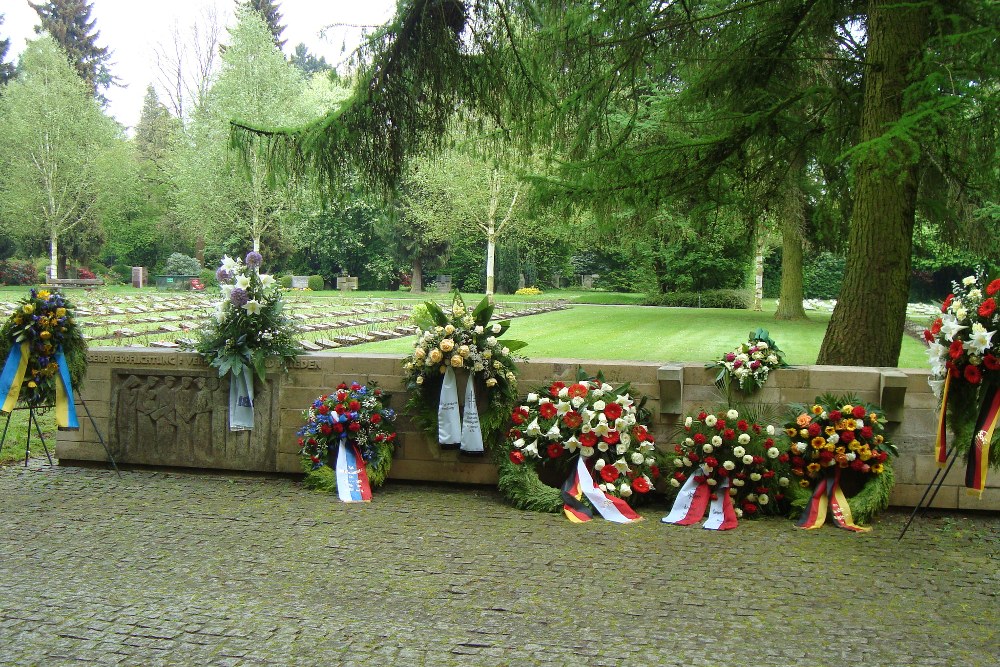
x=86, y=283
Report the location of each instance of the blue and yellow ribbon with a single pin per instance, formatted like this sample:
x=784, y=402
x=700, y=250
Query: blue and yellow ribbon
x=12, y=377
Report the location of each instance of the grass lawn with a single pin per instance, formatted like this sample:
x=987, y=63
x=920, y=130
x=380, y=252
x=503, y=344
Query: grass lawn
x=660, y=334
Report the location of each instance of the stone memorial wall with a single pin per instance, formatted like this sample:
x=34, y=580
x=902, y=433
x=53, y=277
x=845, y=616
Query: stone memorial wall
x=168, y=408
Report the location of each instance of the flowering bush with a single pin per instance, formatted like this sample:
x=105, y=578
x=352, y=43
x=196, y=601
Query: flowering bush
x=725, y=450
x=750, y=363
x=358, y=413
x=529, y=291
x=463, y=339
x=960, y=342
x=17, y=272
x=844, y=436
x=45, y=321
x=86, y=274
x=249, y=325
x=604, y=425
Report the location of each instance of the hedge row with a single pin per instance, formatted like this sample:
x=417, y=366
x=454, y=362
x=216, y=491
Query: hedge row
x=720, y=298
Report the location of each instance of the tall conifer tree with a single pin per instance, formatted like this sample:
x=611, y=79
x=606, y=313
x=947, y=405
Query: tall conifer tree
x=69, y=23
x=6, y=69
x=269, y=11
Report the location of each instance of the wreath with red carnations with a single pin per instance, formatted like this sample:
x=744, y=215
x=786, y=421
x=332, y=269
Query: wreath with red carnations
x=557, y=425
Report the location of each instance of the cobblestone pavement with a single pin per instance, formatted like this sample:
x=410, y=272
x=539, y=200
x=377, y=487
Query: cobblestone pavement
x=163, y=568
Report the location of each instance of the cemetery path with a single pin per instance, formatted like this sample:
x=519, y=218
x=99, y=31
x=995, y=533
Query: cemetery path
x=166, y=568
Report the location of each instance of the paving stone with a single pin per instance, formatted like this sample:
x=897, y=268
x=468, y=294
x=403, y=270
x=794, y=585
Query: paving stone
x=160, y=567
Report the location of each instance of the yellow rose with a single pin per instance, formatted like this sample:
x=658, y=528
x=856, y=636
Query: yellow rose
x=491, y=382
x=449, y=329
x=879, y=439
x=457, y=361
x=45, y=335
x=447, y=345
x=804, y=433
x=419, y=353
x=28, y=308
x=464, y=350
x=60, y=312
x=436, y=356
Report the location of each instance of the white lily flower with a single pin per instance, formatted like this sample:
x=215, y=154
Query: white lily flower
x=602, y=429
x=252, y=307
x=572, y=444
x=519, y=443
x=242, y=282
x=532, y=398
x=266, y=280
x=554, y=433
x=532, y=448
x=981, y=339
x=586, y=452
x=687, y=422
x=603, y=446
x=228, y=263
x=622, y=466
x=950, y=327
x=533, y=428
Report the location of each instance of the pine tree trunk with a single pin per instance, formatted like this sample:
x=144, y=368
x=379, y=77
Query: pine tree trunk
x=793, y=223
x=416, y=277
x=866, y=328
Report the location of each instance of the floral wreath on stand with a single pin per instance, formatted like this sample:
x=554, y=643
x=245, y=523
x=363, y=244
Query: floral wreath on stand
x=724, y=465
x=833, y=443
x=596, y=436
x=965, y=375
x=351, y=426
x=46, y=357
x=462, y=340
x=248, y=328
x=748, y=366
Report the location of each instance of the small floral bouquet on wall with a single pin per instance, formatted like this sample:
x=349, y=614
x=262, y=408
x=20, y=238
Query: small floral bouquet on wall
x=965, y=375
x=46, y=356
x=597, y=433
x=352, y=426
x=748, y=366
x=834, y=443
x=248, y=328
x=725, y=465
x=466, y=342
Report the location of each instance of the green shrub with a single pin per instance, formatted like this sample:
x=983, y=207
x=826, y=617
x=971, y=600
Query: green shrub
x=421, y=317
x=315, y=283
x=179, y=264
x=122, y=272
x=721, y=298
x=207, y=278
x=286, y=281
x=823, y=276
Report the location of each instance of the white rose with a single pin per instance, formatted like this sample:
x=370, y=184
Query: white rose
x=637, y=458
x=728, y=465
x=711, y=420
x=519, y=443
x=800, y=447
x=833, y=440
x=532, y=398
x=491, y=341
x=600, y=405
x=738, y=451
x=625, y=490
x=763, y=499
x=678, y=463
x=620, y=449
x=674, y=483
x=707, y=448
x=738, y=482
x=773, y=453
x=748, y=459
x=739, y=512
x=732, y=414
x=752, y=497
x=478, y=329
x=770, y=429
x=732, y=491
x=687, y=422
x=686, y=461
x=969, y=280
x=603, y=487
x=649, y=460
x=606, y=387
x=755, y=476
x=717, y=440
x=577, y=401
x=602, y=446
x=851, y=456
x=564, y=392
x=744, y=438
x=496, y=328
x=688, y=441
x=626, y=439
x=711, y=482
x=782, y=481
x=586, y=452
x=599, y=464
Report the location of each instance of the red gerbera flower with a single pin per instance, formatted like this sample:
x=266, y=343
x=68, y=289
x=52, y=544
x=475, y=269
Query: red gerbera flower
x=993, y=287
x=556, y=388
x=572, y=419
x=991, y=362
x=578, y=390
x=640, y=485
x=555, y=450
x=936, y=326
x=612, y=411
x=956, y=349
x=516, y=457
x=547, y=410
x=973, y=375
x=588, y=439
x=987, y=308
x=609, y=473
x=947, y=302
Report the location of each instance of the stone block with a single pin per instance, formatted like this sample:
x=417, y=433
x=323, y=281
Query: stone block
x=892, y=390
x=288, y=463
x=989, y=501
x=444, y=471
x=843, y=379
x=671, y=381
x=70, y=450
x=925, y=468
x=908, y=495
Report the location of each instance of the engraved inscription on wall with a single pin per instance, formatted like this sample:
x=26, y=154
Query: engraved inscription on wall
x=181, y=418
